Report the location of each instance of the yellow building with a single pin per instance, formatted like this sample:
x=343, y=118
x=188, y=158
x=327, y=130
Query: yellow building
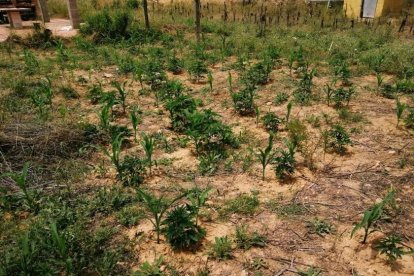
x=373, y=8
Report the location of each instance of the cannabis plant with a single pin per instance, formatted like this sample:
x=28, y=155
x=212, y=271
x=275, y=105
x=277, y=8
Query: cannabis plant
x=409, y=119
x=157, y=206
x=271, y=122
x=339, y=138
x=244, y=101
x=178, y=108
x=285, y=161
x=393, y=247
x=372, y=216
x=181, y=231
x=266, y=155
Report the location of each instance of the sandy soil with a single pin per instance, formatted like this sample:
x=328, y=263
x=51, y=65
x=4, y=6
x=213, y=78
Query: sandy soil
x=59, y=27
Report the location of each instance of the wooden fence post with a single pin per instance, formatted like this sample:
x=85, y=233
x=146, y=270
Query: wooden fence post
x=73, y=14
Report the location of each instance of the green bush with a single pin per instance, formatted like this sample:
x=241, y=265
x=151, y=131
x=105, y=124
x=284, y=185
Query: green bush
x=338, y=139
x=181, y=231
x=271, y=122
x=244, y=101
x=106, y=27
x=179, y=109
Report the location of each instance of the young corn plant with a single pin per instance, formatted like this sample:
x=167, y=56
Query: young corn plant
x=114, y=155
x=289, y=110
x=401, y=107
x=266, y=155
x=135, y=116
x=61, y=247
x=198, y=198
x=210, y=80
x=371, y=216
x=20, y=179
x=148, y=144
x=157, y=206
x=230, y=82
x=105, y=117
x=122, y=93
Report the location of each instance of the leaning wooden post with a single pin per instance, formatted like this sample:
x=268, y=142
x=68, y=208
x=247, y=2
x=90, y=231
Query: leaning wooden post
x=73, y=14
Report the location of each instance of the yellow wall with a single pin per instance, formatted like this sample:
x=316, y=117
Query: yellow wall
x=384, y=7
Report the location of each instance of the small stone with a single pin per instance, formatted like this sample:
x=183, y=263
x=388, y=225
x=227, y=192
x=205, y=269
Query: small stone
x=269, y=103
x=392, y=152
x=107, y=75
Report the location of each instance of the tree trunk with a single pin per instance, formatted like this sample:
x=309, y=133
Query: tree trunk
x=197, y=6
x=73, y=14
x=145, y=4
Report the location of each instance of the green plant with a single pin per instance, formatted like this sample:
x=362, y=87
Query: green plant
x=122, y=93
x=114, y=155
x=61, y=246
x=311, y=271
x=209, y=162
x=208, y=132
x=244, y=100
x=135, y=116
x=303, y=94
x=285, y=161
x=230, y=82
x=104, y=117
x=372, y=216
x=342, y=95
x=245, y=239
x=244, y=204
x=342, y=72
x=174, y=64
x=130, y=216
x=157, y=207
x=154, y=269
x=271, y=122
x=132, y=170
x=266, y=156
x=258, y=74
x=95, y=93
x=409, y=119
x=179, y=108
x=281, y=98
x=31, y=62
x=197, y=198
x=181, y=231
x=289, y=110
x=338, y=139
x=392, y=247
x=401, y=107
x=171, y=89
x=221, y=248
x=148, y=144
x=197, y=68
x=320, y=227
x=30, y=196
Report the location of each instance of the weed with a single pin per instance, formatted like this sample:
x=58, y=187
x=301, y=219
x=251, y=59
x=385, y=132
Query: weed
x=401, y=107
x=320, y=227
x=147, y=269
x=209, y=162
x=130, y=216
x=122, y=94
x=312, y=271
x=174, y=64
x=221, y=249
x=303, y=94
x=197, y=198
x=245, y=239
x=372, y=215
x=289, y=110
x=132, y=170
x=31, y=62
x=210, y=80
x=243, y=204
x=342, y=95
x=281, y=98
